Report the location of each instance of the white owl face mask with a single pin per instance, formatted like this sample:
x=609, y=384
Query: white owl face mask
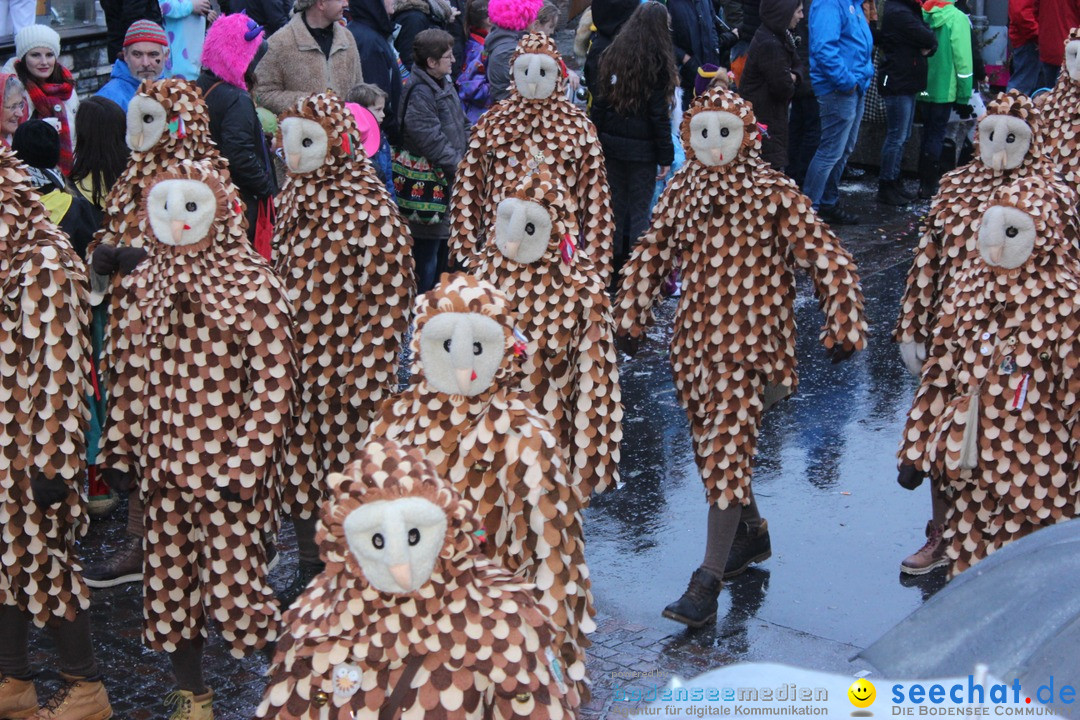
x=1004, y=141
x=181, y=211
x=1072, y=59
x=461, y=352
x=716, y=137
x=305, y=144
x=146, y=121
x=522, y=230
x=1006, y=237
x=396, y=542
x=535, y=75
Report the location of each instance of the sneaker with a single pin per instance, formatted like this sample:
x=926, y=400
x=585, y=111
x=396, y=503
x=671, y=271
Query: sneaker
x=836, y=215
x=186, y=705
x=18, y=698
x=697, y=606
x=749, y=547
x=125, y=566
x=929, y=556
x=305, y=573
x=77, y=699
x=101, y=505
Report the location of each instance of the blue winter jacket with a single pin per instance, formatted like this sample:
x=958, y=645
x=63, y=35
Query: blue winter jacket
x=840, y=47
x=122, y=85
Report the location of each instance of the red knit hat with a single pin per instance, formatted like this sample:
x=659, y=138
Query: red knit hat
x=145, y=31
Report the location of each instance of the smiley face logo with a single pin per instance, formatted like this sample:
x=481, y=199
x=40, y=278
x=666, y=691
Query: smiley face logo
x=862, y=693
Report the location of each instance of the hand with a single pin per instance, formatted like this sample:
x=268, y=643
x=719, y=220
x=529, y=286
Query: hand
x=910, y=478
x=48, y=491
x=212, y=16
x=964, y=110
x=627, y=344
x=573, y=79
x=200, y=7
x=664, y=170
x=839, y=352
x=122, y=481
x=914, y=355
x=103, y=261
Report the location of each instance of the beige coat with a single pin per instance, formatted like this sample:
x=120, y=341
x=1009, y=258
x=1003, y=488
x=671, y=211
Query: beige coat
x=294, y=66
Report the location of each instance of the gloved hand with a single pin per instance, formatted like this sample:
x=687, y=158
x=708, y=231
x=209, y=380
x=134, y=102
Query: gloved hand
x=910, y=478
x=122, y=481
x=108, y=259
x=48, y=491
x=627, y=344
x=964, y=110
x=839, y=353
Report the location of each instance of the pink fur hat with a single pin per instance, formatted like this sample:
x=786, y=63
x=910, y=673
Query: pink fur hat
x=513, y=14
x=231, y=44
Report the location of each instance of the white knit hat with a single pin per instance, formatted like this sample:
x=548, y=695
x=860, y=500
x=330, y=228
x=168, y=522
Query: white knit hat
x=36, y=36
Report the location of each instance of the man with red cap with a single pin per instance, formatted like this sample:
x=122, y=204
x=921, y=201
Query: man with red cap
x=143, y=58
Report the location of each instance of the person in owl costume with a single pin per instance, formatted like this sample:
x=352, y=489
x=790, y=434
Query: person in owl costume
x=345, y=256
x=742, y=229
x=564, y=312
x=200, y=346
x=167, y=124
x=535, y=126
x=410, y=619
x=464, y=410
x=1061, y=114
x=1009, y=146
x=994, y=421
x=43, y=384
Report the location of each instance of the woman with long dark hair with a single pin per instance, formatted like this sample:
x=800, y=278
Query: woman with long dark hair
x=102, y=152
x=632, y=112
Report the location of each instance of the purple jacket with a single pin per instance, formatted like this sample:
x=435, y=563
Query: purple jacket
x=472, y=83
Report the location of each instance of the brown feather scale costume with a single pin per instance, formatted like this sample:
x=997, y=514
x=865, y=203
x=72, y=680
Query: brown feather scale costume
x=564, y=311
x=994, y=421
x=472, y=636
x=503, y=457
x=1061, y=116
x=512, y=138
x=742, y=229
x=201, y=357
x=44, y=379
x=345, y=257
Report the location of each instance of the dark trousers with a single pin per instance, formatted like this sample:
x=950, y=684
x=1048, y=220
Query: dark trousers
x=430, y=255
x=804, y=134
x=935, y=117
x=632, y=186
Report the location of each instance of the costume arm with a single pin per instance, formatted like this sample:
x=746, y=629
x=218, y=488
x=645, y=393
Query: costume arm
x=469, y=199
x=918, y=307
x=126, y=371
x=930, y=400
x=598, y=405
x=595, y=218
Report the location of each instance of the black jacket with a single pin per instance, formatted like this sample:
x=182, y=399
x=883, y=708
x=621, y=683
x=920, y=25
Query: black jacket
x=643, y=136
x=694, y=33
x=903, y=36
x=271, y=14
x=608, y=17
x=767, y=80
x=373, y=30
x=751, y=19
x=119, y=14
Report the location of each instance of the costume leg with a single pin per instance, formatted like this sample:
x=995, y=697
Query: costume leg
x=172, y=591
x=308, y=548
x=187, y=665
x=722, y=526
x=15, y=643
x=750, y=514
x=74, y=646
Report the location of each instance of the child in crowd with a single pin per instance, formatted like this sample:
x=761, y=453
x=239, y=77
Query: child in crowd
x=546, y=20
x=373, y=99
x=472, y=83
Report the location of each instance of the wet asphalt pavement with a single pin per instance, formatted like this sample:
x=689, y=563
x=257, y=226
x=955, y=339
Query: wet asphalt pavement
x=825, y=480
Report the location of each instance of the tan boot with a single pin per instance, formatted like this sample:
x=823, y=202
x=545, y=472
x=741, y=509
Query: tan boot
x=18, y=698
x=187, y=705
x=929, y=556
x=77, y=699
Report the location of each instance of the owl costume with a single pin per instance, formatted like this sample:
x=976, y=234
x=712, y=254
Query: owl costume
x=466, y=413
x=564, y=312
x=409, y=615
x=201, y=351
x=536, y=125
x=1061, y=114
x=994, y=422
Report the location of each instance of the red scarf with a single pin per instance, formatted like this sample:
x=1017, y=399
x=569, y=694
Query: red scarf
x=48, y=100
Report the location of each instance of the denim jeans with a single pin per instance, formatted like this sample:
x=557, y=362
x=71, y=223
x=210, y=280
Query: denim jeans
x=841, y=114
x=1026, y=69
x=899, y=113
x=935, y=117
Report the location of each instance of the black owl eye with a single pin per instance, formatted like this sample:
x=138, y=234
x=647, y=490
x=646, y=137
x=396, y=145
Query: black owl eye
x=704, y=132
x=1011, y=138
x=306, y=142
x=191, y=207
x=148, y=119
x=414, y=536
x=724, y=132
x=446, y=345
x=530, y=228
x=543, y=72
x=526, y=73
x=1011, y=232
x=377, y=541
x=477, y=348
x=991, y=136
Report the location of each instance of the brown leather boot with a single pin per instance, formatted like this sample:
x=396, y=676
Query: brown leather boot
x=18, y=698
x=77, y=699
x=187, y=705
x=931, y=555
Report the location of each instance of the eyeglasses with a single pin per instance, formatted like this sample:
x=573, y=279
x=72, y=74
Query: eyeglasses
x=448, y=56
x=17, y=107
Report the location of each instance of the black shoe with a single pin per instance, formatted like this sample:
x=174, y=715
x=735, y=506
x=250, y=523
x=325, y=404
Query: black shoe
x=929, y=174
x=697, y=606
x=749, y=547
x=889, y=194
x=836, y=215
x=305, y=573
x=909, y=194
x=123, y=566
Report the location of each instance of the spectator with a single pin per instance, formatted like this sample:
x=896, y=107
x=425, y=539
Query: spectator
x=608, y=17
x=143, y=57
x=948, y=82
x=750, y=11
x=547, y=19
x=371, y=27
x=271, y=14
x=119, y=16
x=804, y=125
x=415, y=16
x=433, y=125
x=1026, y=72
x=372, y=99
x=632, y=112
x=1055, y=19
x=101, y=151
x=15, y=109
x=15, y=15
x=510, y=19
x=697, y=40
x=49, y=87
x=906, y=41
x=841, y=72
x=311, y=53
x=771, y=74
x=185, y=27
x=472, y=84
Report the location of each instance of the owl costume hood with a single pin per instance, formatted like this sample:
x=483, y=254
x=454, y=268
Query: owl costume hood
x=519, y=134
x=570, y=365
x=44, y=380
x=500, y=453
x=344, y=254
x=468, y=642
x=994, y=421
x=1061, y=113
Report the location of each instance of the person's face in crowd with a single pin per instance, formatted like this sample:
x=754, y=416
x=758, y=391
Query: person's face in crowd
x=145, y=59
x=546, y=28
x=389, y=5
x=12, y=112
x=379, y=110
x=331, y=10
x=439, y=68
x=40, y=62
x=796, y=18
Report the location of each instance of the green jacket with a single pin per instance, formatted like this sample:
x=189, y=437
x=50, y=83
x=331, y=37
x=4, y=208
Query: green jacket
x=950, y=70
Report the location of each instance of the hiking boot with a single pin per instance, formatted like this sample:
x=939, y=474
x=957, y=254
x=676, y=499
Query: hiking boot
x=889, y=194
x=305, y=573
x=836, y=215
x=124, y=566
x=749, y=547
x=697, y=606
x=929, y=556
x=186, y=705
x=77, y=699
x=98, y=506
x=18, y=698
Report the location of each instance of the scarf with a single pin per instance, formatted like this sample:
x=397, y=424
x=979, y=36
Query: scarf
x=48, y=100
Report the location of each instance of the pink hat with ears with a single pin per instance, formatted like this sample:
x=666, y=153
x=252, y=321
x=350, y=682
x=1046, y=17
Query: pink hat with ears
x=514, y=14
x=232, y=42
